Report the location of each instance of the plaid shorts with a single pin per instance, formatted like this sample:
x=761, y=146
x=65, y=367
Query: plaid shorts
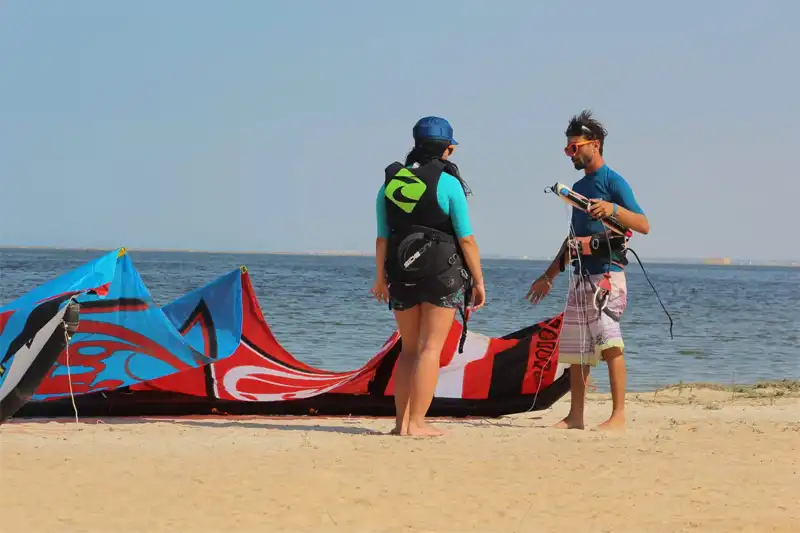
x=586, y=332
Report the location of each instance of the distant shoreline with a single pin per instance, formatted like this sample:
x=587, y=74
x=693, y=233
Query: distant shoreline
x=345, y=253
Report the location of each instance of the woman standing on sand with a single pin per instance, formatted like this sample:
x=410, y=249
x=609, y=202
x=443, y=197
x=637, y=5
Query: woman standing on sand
x=427, y=263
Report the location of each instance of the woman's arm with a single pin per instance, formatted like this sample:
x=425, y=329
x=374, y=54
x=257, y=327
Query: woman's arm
x=459, y=214
x=382, y=241
x=472, y=257
x=380, y=257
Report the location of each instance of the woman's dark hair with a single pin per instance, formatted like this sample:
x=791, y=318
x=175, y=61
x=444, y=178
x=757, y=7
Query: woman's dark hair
x=588, y=127
x=427, y=150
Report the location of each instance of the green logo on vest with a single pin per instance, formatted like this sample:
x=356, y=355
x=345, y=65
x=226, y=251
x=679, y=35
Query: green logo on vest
x=409, y=191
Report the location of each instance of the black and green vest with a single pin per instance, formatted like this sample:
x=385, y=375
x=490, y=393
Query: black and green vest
x=422, y=241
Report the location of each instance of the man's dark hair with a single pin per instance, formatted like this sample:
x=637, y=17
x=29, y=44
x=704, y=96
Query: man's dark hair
x=429, y=149
x=588, y=127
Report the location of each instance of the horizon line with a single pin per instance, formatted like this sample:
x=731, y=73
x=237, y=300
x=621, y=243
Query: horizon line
x=709, y=261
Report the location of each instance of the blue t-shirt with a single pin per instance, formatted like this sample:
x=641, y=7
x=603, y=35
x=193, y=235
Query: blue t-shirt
x=604, y=184
x=452, y=200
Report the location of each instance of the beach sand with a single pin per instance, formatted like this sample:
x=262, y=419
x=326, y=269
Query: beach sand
x=692, y=459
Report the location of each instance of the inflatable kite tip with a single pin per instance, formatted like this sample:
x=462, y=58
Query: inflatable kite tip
x=243, y=269
x=122, y=251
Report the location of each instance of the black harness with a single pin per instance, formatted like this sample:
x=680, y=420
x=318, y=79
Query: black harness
x=423, y=250
x=611, y=248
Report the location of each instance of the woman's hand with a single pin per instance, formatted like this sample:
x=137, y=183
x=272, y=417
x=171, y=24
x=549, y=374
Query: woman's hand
x=380, y=291
x=478, y=296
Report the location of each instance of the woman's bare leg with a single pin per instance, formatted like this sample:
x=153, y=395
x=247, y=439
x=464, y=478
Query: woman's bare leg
x=408, y=322
x=435, y=324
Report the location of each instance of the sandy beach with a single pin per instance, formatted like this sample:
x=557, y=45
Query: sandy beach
x=693, y=459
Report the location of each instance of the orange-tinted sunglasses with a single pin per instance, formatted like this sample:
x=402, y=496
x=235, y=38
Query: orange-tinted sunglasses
x=572, y=148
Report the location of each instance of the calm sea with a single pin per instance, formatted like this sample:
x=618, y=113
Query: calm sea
x=731, y=323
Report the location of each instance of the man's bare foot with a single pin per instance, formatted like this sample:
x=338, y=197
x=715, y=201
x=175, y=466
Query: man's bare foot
x=424, y=430
x=569, y=423
x=615, y=423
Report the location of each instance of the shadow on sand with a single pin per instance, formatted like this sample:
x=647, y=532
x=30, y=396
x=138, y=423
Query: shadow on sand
x=265, y=423
x=199, y=423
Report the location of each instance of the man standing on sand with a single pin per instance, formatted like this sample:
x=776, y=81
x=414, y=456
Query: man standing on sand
x=587, y=334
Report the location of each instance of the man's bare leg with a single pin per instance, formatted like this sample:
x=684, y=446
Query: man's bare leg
x=617, y=376
x=577, y=385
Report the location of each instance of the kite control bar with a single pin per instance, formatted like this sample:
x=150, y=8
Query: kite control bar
x=603, y=288
x=583, y=203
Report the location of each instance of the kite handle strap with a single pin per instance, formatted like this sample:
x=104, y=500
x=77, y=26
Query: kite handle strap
x=465, y=312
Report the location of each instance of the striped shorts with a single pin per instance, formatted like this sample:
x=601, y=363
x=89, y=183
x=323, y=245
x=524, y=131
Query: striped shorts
x=586, y=331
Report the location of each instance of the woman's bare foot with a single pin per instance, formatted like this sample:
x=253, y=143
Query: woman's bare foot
x=424, y=430
x=614, y=423
x=398, y=431
x=569, y=423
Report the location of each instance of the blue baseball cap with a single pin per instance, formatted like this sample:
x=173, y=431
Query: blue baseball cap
x=433, y=128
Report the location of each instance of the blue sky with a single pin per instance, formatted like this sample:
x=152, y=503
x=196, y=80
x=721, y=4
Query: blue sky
x=266, y=125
